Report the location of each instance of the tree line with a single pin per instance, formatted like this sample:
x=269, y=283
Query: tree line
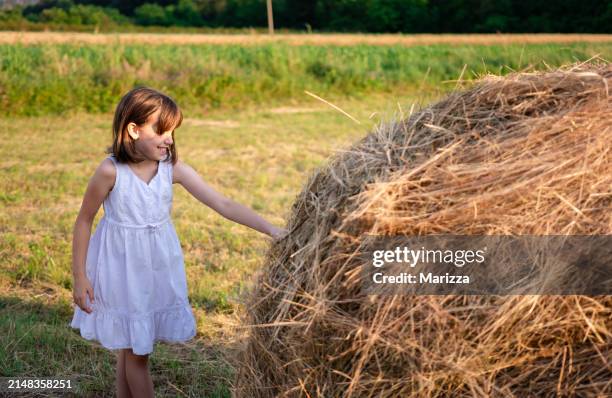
x=377, y=16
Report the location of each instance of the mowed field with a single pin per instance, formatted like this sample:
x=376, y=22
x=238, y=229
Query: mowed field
x=256, y=149
x=297, y=39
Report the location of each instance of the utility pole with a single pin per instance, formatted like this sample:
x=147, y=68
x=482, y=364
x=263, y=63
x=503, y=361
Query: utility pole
x=270, y=19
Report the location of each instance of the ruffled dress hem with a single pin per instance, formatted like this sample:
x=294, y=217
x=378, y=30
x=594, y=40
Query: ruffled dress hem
x=115, y=330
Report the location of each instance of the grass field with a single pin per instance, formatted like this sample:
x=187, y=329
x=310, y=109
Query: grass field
x=257, y=149
x=45, y=79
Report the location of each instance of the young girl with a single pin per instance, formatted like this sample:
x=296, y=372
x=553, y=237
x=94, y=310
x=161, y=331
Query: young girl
x=129, y=279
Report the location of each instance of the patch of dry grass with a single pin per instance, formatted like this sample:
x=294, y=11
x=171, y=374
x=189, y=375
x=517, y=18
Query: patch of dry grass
x=296, y=39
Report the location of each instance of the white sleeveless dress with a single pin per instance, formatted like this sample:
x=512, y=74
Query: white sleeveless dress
x=135, y=265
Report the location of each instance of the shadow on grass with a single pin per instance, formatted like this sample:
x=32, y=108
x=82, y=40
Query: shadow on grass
x=36, y=340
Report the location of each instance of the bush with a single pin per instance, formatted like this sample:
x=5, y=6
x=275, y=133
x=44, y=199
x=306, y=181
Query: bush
x=12, y=15
x=82, y=15
x=152, y=14
x=186, y=13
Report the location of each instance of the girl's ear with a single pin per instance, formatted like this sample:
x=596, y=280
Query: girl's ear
x=132, y=130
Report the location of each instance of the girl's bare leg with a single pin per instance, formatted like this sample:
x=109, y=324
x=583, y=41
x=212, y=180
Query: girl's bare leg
x=137, y=373
x=123, y=390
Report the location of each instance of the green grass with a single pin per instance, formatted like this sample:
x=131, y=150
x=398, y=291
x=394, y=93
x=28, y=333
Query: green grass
x=36, y=341
x=58, y=79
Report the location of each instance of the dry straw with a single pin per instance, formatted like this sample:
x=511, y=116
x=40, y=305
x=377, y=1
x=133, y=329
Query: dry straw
x=254, y=38
x=525, y=154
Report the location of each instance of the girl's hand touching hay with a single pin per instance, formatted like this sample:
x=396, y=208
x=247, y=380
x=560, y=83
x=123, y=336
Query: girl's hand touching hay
x=277, y=233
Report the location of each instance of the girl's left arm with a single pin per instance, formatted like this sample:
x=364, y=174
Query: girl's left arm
x=193, y=183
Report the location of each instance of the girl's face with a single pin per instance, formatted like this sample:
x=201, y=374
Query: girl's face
x=148, y=143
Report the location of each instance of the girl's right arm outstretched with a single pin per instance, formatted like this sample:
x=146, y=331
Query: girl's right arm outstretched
x=99, y=185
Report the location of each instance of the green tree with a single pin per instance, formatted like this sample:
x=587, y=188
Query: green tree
x=151, y=14
x=186, y=13
x=396, y=15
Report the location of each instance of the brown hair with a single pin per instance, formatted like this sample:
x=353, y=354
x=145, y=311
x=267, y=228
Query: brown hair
x=136, y=106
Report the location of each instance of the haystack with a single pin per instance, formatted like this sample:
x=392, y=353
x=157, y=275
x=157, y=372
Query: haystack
x=524, y=154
